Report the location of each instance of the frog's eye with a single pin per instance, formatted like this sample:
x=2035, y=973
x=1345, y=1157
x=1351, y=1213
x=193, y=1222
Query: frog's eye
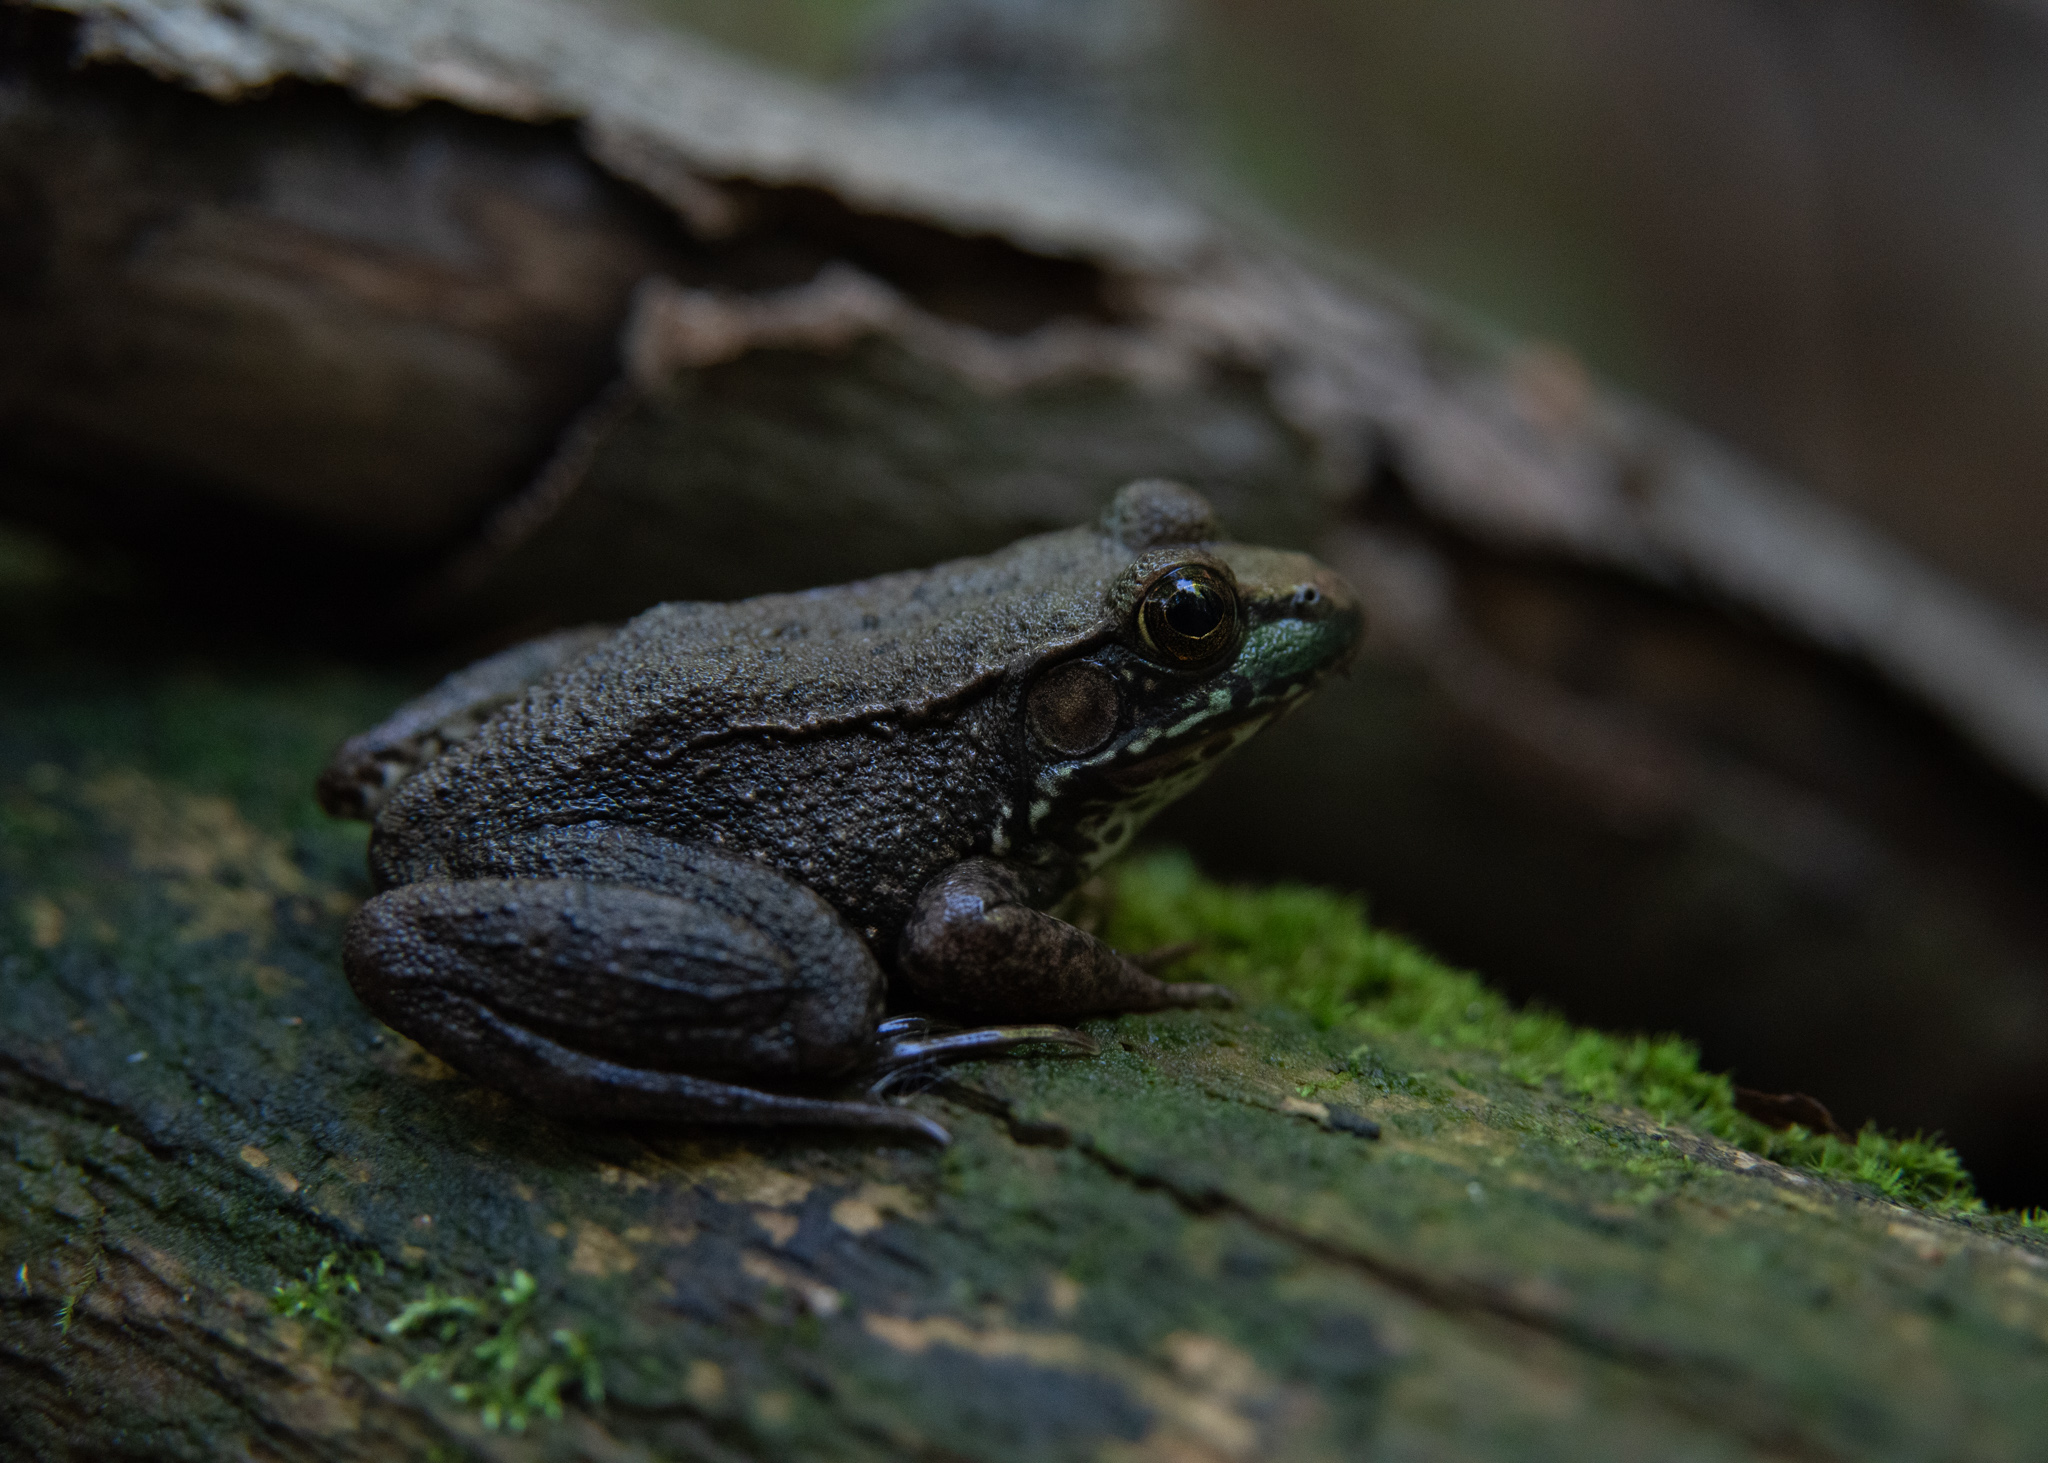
x=1073, y=708
x=1189, y=615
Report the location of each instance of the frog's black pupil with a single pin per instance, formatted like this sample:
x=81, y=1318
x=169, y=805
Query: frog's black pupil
x=1193, y=609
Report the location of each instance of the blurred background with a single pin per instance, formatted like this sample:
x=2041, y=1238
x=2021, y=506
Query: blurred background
x=1815, y=229
x=1819, y=232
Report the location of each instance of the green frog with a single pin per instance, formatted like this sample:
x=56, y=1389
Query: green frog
x=683, y=869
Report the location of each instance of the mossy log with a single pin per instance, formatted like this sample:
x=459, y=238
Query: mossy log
x=1374, y=1213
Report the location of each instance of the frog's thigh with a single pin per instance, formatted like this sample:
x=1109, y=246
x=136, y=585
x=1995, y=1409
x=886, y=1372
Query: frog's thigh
x=607, y=1000
x=975, y=947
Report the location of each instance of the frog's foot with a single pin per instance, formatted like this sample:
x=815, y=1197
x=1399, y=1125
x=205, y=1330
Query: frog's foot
x=1186, y=995
x=974, y=936
x=1180, y=994
x=915, y=1047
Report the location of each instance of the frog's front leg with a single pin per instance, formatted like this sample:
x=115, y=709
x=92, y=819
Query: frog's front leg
x=605, y=1000
x=975, y=946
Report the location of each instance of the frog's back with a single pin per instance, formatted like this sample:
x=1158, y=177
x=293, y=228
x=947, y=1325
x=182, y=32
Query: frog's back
x=902, y=646
x=847, y=735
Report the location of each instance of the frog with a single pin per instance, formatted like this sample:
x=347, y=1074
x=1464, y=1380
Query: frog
x=728, y=862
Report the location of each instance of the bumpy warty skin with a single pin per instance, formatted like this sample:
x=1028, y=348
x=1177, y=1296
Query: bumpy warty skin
x=860, y=738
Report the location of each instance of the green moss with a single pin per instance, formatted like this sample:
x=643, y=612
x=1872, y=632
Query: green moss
x=489, y=1351
x=321, y=1298
x=492, y=1356
x=1314, y=951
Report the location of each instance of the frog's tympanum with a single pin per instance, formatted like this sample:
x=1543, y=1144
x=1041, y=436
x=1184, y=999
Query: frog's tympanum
x=678, y=870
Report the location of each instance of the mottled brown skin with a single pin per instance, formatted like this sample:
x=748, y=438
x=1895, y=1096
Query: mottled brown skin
x=673, y=872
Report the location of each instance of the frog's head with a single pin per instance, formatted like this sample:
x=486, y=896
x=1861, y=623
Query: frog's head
x=1207, y=641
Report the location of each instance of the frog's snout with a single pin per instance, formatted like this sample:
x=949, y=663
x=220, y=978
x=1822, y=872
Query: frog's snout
x=1322, y=611
x=1328, y=596
x=1323, y=594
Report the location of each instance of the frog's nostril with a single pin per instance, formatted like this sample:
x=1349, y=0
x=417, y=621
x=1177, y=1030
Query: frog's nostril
x=1307, y=595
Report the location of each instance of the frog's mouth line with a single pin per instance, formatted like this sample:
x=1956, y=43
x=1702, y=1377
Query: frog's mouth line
x=1099, y=822
x=1135, y=777
x=1137, y=788
x=1275, y=673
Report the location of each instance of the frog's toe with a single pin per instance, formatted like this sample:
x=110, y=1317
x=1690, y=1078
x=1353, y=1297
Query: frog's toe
x=1183, y=993
x=915, y=1044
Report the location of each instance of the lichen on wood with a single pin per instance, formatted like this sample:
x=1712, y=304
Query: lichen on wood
x=244, y=1220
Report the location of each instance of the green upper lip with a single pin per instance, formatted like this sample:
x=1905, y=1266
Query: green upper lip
x=1281, y=652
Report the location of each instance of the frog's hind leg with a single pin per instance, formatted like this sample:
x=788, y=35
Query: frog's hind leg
x=573, y=1084
x=611, y=1001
